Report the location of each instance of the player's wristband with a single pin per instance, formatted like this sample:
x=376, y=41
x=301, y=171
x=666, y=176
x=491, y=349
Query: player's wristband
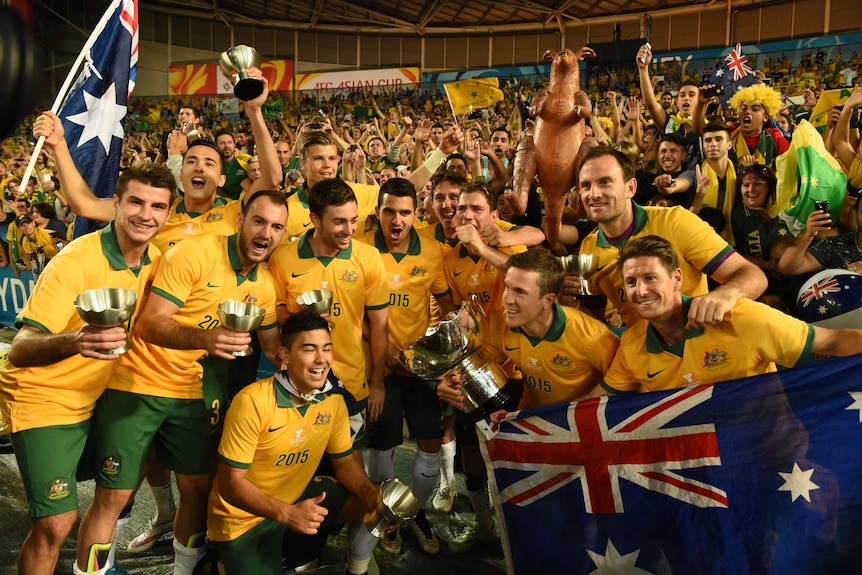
x=853, y=191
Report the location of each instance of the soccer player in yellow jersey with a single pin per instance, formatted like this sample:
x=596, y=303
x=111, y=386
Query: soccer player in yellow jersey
x=664, y=352
x=474, y=269
x=606, y=186
x=414, y=270
x=327, y=257
x=155, y=395
x=57, y=367
x=276, y=433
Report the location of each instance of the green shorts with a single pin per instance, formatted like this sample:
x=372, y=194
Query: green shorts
x=407, y=398
x=262, y=549
x=126, y=424
x=216, y=393
x=48, y=459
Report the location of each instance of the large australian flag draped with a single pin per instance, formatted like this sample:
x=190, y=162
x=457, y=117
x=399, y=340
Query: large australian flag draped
x=94, y=110
x=753, y=476
x=733, y=74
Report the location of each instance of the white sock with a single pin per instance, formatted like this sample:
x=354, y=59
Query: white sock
x=164, y=496
x=122, y=521
x=426, y=471
x=447, y=462
x=186, y=558
x=381, y=464
x=360, y=546
x=101, y=571
x=479, y=500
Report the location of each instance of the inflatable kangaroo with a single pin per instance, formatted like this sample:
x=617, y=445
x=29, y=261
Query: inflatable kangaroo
x=552, y=151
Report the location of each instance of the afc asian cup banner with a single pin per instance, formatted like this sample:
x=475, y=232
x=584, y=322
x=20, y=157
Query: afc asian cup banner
x=190, y=79
x=376, y=78
x=753, y=476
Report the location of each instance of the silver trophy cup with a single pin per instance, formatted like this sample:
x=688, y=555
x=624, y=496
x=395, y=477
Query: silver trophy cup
x=583, y=266
x=317, y=300
x=397, y=505
x=457, y=342
x=240, y=316
x=233, y=63
x=108, y=307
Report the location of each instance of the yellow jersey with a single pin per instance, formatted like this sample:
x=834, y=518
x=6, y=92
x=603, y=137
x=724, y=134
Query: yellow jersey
x=469, y=276
x=699, y=248
x=299, y=221
x=65, y=392
x=220, y=220
x=357, y=279
x=197, y=276
x=280, y=445
x=752, y=338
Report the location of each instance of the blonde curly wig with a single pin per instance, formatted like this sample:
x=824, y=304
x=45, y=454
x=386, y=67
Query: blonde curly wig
x=758, y=94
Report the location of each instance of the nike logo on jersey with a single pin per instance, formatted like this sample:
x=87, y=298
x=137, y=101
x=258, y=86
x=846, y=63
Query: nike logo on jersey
x=296, y=275
x=458, y=273
x=652, y=375
x=271, y=429
x=210, y=285
x=600, y=268
x=306, y=224
x=511, y=348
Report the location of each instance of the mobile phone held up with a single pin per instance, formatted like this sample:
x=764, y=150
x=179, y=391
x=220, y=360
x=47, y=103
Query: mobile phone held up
x=821, y=206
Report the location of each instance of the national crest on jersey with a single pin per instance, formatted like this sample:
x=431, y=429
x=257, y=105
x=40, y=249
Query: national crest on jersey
x=322, y=421
x=561, y=361
x=716, y=359
x=349, y=278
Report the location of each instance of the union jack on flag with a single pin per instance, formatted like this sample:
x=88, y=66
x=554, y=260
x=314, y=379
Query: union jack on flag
x=758, y=475
x=819, y=289
x=733, y=74
x=94, y=110
x=737, y=63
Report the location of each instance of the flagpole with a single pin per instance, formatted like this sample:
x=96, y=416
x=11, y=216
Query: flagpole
x=70, y=77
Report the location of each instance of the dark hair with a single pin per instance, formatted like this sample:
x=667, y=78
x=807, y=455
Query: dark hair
x=399, y=188
x=674, y=138
x=221, y=133
x=331, y=192
x=46, y=210
x=713, y=217
x=208, y=144
x=502, y=128
x=275, y=196
x=483, y=188
x=456, y=156
x=195, y=111
x=243, y=131
x=548, y=267
x=764, y=174
x=716, y=126
x=298, y=323
x=147, y=173
x=649, y=246
x=601, y=151
x=449, y=177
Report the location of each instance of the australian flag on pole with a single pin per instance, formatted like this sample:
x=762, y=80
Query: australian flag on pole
x=94, y=110
x=753, y=476
x=733, y=74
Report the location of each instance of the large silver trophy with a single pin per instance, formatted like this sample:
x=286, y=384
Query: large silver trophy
x=240, y=316
x=457, y=342
x=583, y=266
x=108, y=307
x=397, y=505
x=233, y=63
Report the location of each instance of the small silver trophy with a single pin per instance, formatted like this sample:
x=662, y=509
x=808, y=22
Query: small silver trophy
x=240, y=316
x=583, y=266
x=233, y=63
x=317, y=300
x=397, y=505
x=108, y=307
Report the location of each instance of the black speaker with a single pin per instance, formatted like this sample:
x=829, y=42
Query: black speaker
x=19, y=78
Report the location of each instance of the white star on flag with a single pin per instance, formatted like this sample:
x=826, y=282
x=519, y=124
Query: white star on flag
x=719, y=73
x=798, y=483
x=103, y=118
x=612, y=563
x=857, y=403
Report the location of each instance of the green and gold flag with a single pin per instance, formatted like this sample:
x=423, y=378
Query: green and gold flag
x=473, y=94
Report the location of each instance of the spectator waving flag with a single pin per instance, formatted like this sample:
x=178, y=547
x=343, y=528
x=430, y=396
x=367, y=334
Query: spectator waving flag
x=94, y=109
x=758, y=475
x=733, y=74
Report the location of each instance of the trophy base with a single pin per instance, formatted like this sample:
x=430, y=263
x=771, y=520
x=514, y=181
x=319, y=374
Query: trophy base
x=244, y=353
x=507, y=399
x=248, y=89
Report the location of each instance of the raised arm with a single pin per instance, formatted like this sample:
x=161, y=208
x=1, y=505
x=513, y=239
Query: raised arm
x=644, y=57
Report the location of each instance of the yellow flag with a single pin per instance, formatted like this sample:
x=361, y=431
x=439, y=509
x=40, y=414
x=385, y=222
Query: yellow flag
x=473, y=94
x=829, y=98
